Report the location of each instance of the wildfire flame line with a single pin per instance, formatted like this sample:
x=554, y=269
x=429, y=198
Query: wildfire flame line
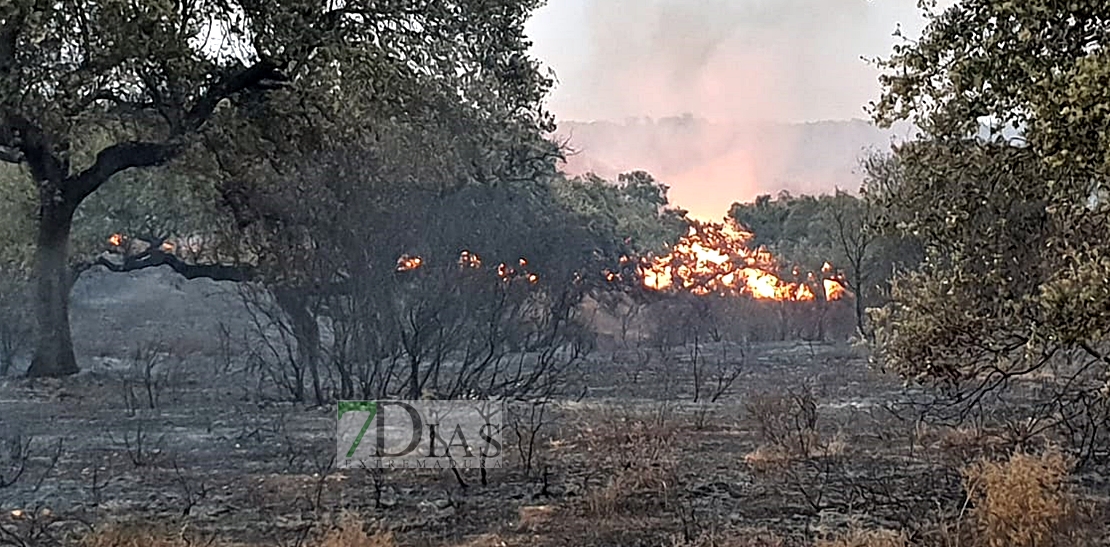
x=711, y=259
x=716, y=258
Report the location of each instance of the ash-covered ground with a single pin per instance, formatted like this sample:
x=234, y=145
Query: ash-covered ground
x=190, y=437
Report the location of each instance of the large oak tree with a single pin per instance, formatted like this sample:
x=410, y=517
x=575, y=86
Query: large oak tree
x=91, y=89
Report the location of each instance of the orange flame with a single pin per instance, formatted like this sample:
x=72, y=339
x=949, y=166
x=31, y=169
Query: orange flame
x=408, y=263
x=715, y=258
x=468, y=259
x=834, y=290
x=711, y=258
x=115, y=240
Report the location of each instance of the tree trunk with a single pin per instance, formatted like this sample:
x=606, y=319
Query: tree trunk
x=54, y=345
x=414, y=378
x=860, y=308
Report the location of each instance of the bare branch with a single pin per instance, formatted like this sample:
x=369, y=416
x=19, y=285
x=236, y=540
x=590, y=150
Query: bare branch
x=265, y=74
x=116, y=158
x=126, y=155
x=155, y=258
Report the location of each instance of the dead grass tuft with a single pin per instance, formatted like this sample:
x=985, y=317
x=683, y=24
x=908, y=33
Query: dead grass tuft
x=768, y=458
x=970, y=443
x=350, y=533
x=638, y=458
x=535, y=517
x=718, y=539
x=865, y=538
x=608, y=500
x=120, y=535
x=1023, y=501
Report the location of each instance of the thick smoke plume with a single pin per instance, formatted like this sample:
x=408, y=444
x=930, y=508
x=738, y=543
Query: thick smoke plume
x=738, y=65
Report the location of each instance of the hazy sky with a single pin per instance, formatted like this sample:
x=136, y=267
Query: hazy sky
x=726, y=60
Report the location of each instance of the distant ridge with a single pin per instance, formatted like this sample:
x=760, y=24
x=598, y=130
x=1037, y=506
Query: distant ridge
x=710, y=165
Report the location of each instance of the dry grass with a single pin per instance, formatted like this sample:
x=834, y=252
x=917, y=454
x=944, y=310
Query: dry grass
x=970, y=443
x=638, y=457
x=535, y=517
x=610, y=499
x=768, y=458
x=1023, y=501
x=349, y=532
x=865, y=538
x=132, y=536
x=717, y=539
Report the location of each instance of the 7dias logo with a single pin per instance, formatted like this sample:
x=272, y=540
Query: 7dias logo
x=419, y=434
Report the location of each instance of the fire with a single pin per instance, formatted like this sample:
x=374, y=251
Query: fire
x=408, y=263
x=508, y=273
x=711, y=258
x=468, y=259
x=834, y=290
x=716, y=258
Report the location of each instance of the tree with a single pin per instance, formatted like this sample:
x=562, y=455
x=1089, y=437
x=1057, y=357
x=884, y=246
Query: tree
x=840, y=229
x=487, y=288
x=633, y=208
x=794, y=228
x=158, y=79
x=1013, y=222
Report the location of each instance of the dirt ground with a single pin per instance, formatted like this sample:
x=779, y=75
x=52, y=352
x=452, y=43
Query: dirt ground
x=635, y=461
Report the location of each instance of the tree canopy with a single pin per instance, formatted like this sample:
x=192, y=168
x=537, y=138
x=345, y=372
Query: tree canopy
x=91, y=89
x=1014, y=228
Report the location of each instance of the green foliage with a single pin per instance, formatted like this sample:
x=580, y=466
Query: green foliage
x=635, y=209
x=144, y=65
x=92, y=89
x=1015, y=232
x=17, y=221
x=794, y=228
x=1001, y=58
x=450, y=84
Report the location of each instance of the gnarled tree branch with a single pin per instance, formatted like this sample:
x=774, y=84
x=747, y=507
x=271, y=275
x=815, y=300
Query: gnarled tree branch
x=116, y=158
x=155, y=258
x=126, y=155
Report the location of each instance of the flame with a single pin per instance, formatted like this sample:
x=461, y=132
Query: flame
x=468, y=259
x=716, y=258
x=711, y=258
x=834, y=290
x=408, y=263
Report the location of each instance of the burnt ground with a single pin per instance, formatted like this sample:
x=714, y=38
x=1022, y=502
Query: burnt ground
x=635, y=461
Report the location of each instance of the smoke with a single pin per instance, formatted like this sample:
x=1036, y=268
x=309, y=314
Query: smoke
x=739, y=65
x=734, y=60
